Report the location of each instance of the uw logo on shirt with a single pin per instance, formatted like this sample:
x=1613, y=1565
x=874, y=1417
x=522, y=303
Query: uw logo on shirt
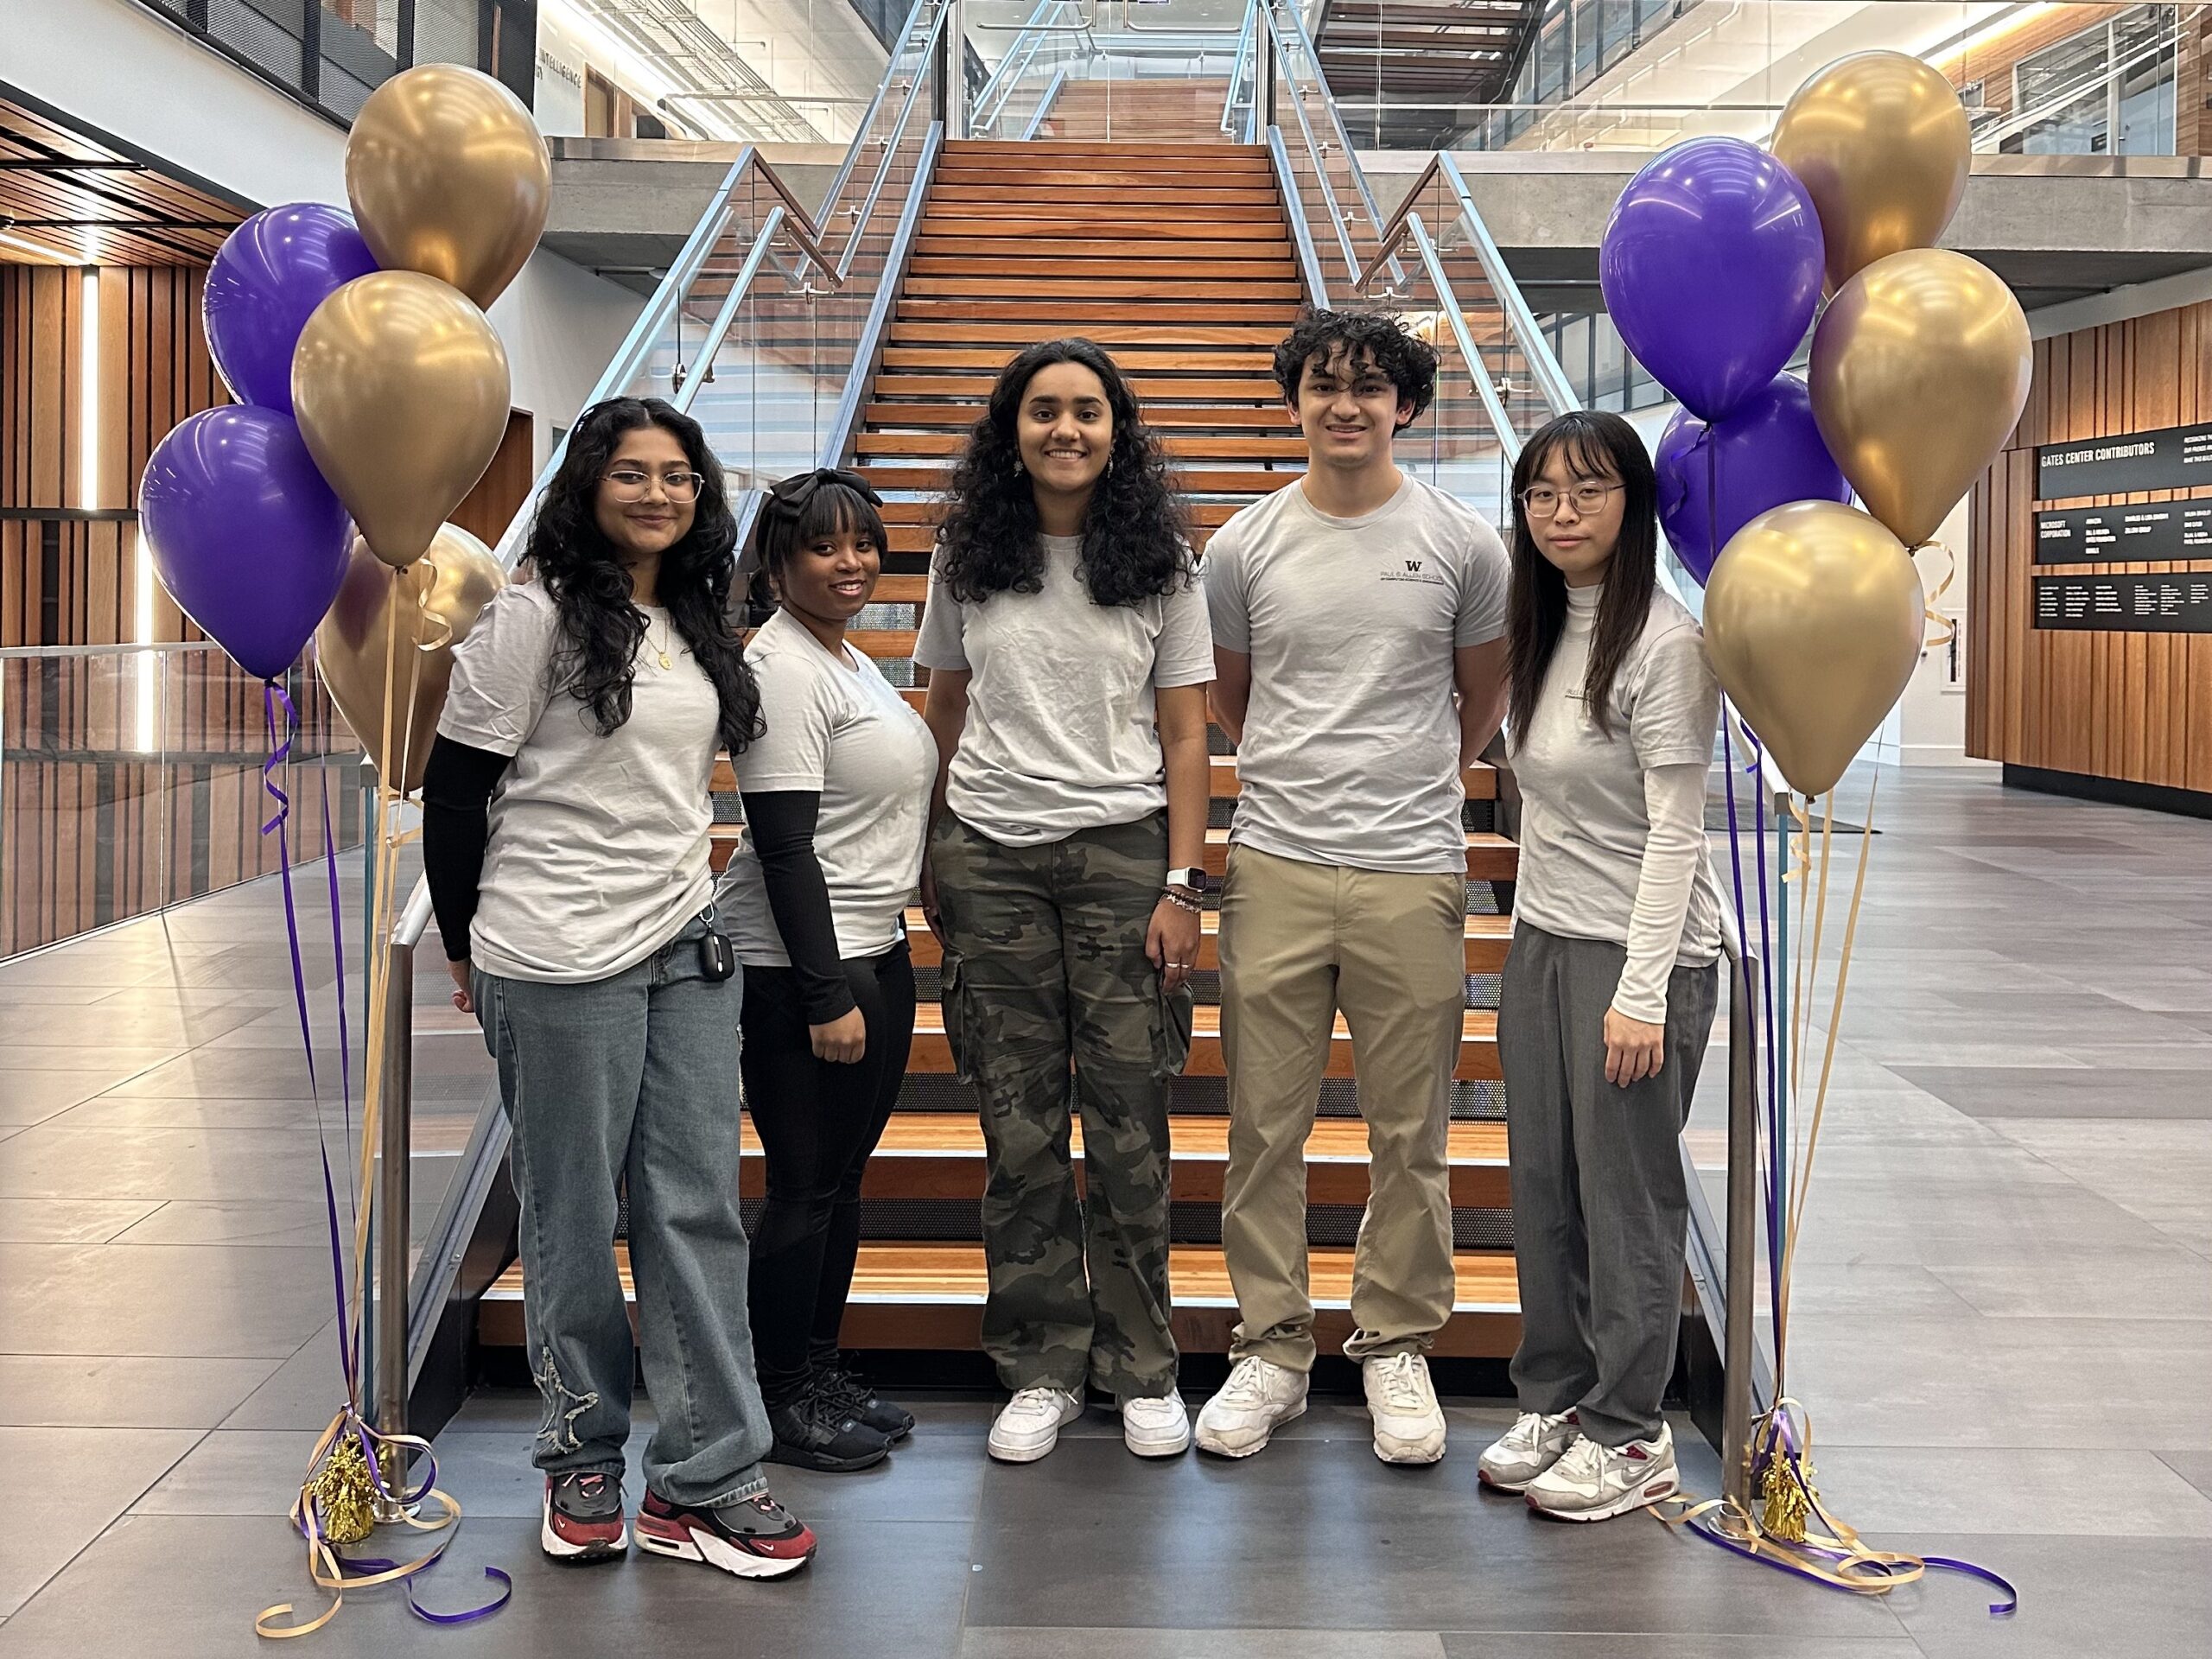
x=1420, y=570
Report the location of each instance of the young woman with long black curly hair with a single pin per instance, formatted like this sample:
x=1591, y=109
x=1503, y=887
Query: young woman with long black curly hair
x=565, y=836
x=1068, y=649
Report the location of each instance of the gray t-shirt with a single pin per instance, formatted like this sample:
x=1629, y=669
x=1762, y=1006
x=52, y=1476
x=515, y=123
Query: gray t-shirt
x=1351, y=751
x=1060, y=732
x=1588, y=838
x=598, y=855
x=845, y=734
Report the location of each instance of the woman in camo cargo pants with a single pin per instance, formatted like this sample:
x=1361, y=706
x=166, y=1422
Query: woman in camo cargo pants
x=1069, y=652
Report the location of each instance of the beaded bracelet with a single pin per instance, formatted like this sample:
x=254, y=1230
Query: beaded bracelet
x=1182, y=901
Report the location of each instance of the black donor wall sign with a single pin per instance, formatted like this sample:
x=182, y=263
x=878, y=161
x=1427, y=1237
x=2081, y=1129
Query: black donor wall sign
x=2172, y=458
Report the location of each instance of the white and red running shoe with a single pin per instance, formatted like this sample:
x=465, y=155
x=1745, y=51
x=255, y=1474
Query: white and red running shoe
x=583, y=1518
x=755, y=1538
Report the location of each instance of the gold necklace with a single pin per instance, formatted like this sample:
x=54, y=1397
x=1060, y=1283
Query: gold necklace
x=666, y=639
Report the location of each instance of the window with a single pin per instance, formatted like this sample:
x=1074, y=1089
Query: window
x=2106, y=91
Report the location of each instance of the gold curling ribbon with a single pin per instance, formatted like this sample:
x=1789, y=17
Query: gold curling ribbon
x=1944, y=629
x=324, y=1567
x=345, y=1493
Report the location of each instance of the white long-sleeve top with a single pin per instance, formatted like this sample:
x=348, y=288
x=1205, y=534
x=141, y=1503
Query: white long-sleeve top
x=1613, y=828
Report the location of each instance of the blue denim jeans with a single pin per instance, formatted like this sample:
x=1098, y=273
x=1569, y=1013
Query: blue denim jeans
x=633, y=1078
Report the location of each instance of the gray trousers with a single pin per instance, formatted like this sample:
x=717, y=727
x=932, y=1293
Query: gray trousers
x=1600, y=1204
x=632, y=1080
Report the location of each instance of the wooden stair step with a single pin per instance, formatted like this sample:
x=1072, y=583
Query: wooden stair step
x=1135, y=257
x=1269, y=312
x=1108, y=216
x=1071, y=195
x=1177, y=444
x=1151, y=389
x=1199, y=481
x=931, y=1296
x=1490, y=857
x=1187, y=343
x=1043, y=174
x=1211, y=514
x=1273, y=418
x=941, y=1155
x=958, y=229
x=1194, y=286
x=1487, y=939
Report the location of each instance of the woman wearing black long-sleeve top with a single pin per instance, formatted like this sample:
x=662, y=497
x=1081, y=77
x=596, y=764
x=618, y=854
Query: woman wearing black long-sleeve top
x=836, y=796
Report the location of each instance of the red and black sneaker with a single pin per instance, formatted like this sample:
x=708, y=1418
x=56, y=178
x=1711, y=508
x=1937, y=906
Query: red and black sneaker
x=584, y=1518
x=755, y=1538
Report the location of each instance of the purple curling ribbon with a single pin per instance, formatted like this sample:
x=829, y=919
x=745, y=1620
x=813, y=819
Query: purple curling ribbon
x=378, y=1564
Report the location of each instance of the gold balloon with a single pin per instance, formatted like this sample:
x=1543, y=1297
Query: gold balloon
x=1920, y=368
x=1880, y=141
x=400, y=388
x=433, y=605
x=1812, y=619
x=448, y=175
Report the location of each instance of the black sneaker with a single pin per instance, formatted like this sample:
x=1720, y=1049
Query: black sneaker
x=582, y=1519
x=755, y=1538
x=835, y=1378
x=820, y=1432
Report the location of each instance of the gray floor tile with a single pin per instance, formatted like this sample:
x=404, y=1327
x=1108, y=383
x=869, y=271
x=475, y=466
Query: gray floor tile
x=161, y=1299
x=34, y=1096
x=107, y=1111
x=110, y=1391
x=2072, y=1091
x=1528, y=1644
x=2079, y=1595
x=1318, y=1536
x=233, y=1471
x=1112, y=1643
x=2194, y=1468
x=271, y=1221
x=2163, y=1284
x=2113, y=1493
x=233, y=1074
x=69, y=1221
x=84, y=1477
x=303, y=1393
x=55, y=1161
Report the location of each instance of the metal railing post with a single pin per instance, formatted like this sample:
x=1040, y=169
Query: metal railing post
x=1263, y=70
x=391, y=1200
x=1741, y=1337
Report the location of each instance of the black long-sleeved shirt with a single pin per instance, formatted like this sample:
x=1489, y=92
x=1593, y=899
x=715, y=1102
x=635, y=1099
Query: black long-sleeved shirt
x=458, y=783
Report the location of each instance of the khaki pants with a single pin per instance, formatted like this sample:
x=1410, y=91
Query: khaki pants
x=1299, y=942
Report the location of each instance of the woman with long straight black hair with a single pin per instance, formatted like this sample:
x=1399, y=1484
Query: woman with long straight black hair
x=565, y=836
x=1610, y=987
x=1069, y=652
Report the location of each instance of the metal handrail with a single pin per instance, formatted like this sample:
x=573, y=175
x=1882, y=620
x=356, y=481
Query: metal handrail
x=1309, y=262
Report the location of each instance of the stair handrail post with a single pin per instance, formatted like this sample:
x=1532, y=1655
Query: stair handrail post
x=391, y=1207
x=1738, y=1340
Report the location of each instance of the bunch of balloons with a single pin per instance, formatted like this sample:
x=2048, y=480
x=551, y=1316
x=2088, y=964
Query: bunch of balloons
x=372, y=394
x=1713, y=265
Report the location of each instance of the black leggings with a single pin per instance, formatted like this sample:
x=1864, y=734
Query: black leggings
x=818, y=1122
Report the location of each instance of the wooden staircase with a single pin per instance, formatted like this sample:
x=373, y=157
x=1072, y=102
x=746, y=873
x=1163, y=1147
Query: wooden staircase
x=1179, y=260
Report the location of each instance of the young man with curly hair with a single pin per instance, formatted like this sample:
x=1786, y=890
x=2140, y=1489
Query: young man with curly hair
x=1358, y=622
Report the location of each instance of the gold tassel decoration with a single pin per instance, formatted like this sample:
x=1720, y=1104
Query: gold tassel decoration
x=344, y=1494
x=1790, y=1496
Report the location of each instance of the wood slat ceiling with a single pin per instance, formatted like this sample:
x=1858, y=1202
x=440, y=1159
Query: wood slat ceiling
x=85, y=203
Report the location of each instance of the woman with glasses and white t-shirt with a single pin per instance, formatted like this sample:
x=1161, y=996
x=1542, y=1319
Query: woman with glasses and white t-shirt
x=1609, y=989
x=565, y=838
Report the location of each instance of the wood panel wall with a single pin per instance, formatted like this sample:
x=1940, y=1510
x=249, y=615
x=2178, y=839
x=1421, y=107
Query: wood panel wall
x=2132, y=707
x=66, y=580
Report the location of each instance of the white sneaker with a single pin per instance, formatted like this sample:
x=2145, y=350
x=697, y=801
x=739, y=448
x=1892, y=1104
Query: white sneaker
x=1534, y=1443
x=1259, y=1397
x=1594, y=1482
x=1408, y=1423
x=1155, y=1426
x=1030, y=1425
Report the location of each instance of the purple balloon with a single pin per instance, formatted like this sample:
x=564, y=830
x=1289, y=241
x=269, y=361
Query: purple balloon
x=1715, y=480
x=244, y=532
x=1711, y=266
x=268, y=277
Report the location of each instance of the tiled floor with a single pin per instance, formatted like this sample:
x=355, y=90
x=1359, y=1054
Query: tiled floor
x=2003, y=1330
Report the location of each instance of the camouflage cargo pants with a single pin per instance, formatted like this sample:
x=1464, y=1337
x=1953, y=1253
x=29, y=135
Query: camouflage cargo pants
x=1046, y=969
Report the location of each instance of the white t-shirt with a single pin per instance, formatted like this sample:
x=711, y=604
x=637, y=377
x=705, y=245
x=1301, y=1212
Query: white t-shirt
x=1596, y=863
x=1060, y=734
x=598, y=852
x=845, y=734
x=1351, y=751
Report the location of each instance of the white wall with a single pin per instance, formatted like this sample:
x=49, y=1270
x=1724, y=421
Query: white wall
x=159, y=90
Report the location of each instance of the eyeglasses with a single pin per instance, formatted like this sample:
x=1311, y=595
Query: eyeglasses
x=1542, y=502
x=631, y=484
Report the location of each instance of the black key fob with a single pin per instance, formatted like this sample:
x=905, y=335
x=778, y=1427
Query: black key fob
x=717, y=959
